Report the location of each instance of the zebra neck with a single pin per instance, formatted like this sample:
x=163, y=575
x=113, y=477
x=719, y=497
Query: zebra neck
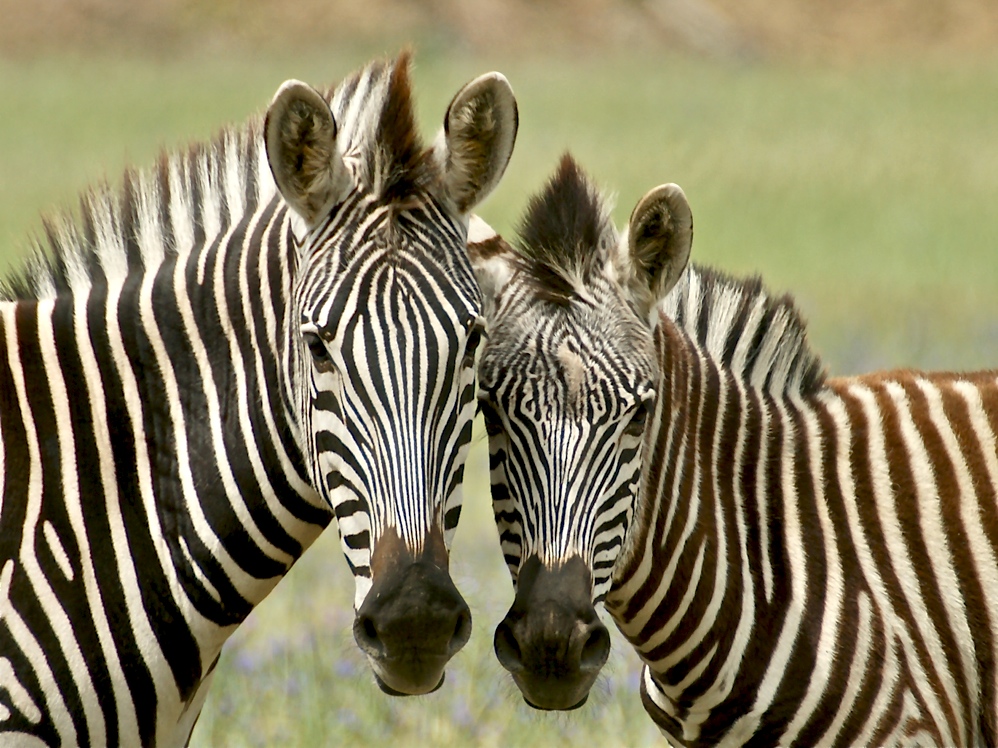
x=201, y=350
x=700, y=588
x=245, y=509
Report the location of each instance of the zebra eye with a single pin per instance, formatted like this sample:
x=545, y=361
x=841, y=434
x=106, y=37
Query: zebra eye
x=636, y=426
x=493, y=425
x=471, y=345
x=320, y=354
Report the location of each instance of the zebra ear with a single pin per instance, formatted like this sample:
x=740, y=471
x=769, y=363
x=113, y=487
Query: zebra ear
x=659, y=239
x=492, y=259
x=300, y=136
x=477, y=139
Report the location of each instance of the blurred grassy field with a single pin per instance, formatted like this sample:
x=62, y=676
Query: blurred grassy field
x=867, y=192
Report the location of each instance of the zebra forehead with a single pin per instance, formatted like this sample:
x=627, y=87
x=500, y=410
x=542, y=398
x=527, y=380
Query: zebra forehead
x=574, y=368
x=390, y=306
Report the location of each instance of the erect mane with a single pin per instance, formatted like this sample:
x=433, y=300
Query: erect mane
x=563, y=230
x=183, y=202
x=191, y=197
x=759, y=337
x=382, y=135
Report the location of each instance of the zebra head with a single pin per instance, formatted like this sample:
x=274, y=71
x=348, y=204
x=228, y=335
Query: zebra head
x=387, y=320
x=566, y=382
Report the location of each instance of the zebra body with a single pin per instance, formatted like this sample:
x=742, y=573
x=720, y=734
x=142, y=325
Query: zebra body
x=123, y=573
x=807, y=561
x=168, y=449
x=811, y=562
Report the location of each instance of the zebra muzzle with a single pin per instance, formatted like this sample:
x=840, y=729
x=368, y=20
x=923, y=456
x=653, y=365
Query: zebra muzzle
x=412, y=621
x=551, y=640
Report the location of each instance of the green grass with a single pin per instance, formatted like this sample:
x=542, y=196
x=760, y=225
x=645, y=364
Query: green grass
x=869, y=193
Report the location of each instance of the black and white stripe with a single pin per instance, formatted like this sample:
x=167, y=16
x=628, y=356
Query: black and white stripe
x=170, y=446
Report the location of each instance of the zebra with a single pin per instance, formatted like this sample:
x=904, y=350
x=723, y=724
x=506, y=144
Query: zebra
x=797, y=559
x=260, y=333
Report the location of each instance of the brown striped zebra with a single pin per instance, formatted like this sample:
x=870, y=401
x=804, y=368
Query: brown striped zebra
x=798, y=560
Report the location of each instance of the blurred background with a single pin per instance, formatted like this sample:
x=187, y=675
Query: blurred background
x=846, y=150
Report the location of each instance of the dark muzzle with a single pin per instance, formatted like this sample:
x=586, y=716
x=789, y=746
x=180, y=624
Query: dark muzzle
x=552, y=641
x=413, y=619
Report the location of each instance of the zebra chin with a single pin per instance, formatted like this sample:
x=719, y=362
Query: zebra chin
x=413, y=619
x=411, y=691
x=551, y=640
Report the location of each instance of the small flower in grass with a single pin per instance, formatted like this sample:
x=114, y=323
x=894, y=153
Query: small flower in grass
x=347, y=717
x=226, y=706
x=245, y=660
x=278, y=645
x=634, y=679
x=460, y=712
x=344, y=667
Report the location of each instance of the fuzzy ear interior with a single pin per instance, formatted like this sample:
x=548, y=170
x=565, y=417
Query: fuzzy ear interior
x=300, y=136
x=477, y=140
x=659, y=240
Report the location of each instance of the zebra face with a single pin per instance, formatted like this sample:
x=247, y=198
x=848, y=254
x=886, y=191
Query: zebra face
x=567, y=381
x=565, y=409
x=565, y=397
x=390, y=336
x=389, y=320
x=389, y=441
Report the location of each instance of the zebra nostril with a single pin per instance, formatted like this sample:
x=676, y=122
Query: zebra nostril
x=462, y=632
x=366, y=634
x=596, y=649
x=508, y=648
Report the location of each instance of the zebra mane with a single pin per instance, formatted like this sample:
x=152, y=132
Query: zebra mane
x=382, y=135
x=567, y=230
x=563, y=230
x=758, y=337
x=189, y=198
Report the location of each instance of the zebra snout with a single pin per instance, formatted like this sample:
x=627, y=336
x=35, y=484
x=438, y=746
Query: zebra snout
x=377, y=630
x=586, y=647
x=507, y=647
x=595, y=647
x=411, y=623
x=552, y=641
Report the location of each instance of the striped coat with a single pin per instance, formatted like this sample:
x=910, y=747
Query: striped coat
x=797, y=559
x=812, y=561
x=185, y=403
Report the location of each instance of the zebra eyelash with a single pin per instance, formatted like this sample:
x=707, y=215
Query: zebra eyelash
x=317, y=349
x=636, y=425
x=476, y=333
